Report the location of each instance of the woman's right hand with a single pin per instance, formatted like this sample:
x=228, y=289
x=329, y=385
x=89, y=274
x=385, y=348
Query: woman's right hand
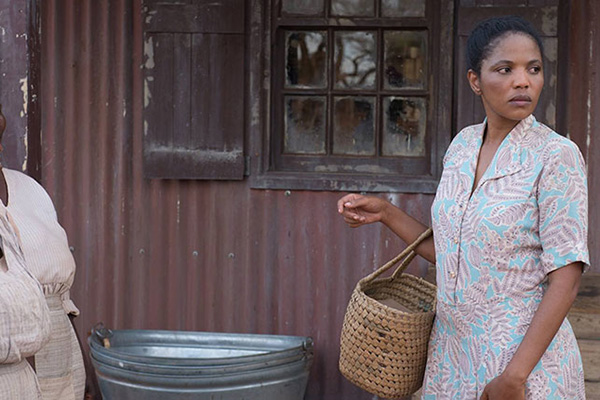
x=359, y=210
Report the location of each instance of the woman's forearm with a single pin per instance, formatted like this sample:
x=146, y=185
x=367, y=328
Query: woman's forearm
x=562, y=290
x=408, y=229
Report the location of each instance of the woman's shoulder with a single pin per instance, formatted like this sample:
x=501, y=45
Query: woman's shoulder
x=22, y=186
x=463, y=140
x=22, y=179
x=556, y=148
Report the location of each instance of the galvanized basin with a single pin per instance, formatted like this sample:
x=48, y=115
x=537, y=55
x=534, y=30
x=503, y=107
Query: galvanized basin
x=176, y=365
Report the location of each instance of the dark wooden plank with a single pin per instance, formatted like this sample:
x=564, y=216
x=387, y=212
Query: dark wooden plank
x=541, y=17
x=590, y=355
x=201, y=16
x=182, y=69
x=34, y=117
x=168, y=163
x=543, y=3
x=158, y=100
x=226, y=86
x=502, y=3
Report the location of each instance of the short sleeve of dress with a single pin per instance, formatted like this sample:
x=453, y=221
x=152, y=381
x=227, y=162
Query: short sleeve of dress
x=563, y=206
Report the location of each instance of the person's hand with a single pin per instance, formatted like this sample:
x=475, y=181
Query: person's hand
x=504, y=388
x=359, y=210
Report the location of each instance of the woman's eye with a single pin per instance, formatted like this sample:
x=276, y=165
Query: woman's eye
x=536, y=70
x=504, y=70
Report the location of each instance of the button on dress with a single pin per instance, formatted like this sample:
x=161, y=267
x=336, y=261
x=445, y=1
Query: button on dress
x=495, y=246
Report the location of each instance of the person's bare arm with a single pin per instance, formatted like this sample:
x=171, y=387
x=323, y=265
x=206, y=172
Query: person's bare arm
x=359, y=210
x=563, y=285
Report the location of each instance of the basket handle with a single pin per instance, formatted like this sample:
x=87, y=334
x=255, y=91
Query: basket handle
x=406, y=256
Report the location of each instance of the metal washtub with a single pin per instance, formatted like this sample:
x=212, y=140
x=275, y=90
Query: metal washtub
x=177, y=365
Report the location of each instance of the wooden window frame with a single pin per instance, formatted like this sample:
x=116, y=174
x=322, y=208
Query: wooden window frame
x=264, y=105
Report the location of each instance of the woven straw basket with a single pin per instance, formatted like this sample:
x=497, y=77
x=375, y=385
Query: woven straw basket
x=383, y=349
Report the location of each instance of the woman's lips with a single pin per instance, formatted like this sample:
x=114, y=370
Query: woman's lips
x=521, y=100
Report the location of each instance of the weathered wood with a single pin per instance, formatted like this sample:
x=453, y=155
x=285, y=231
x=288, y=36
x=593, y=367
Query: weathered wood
x=194, y=90
x=592, y=390
x=590, y=354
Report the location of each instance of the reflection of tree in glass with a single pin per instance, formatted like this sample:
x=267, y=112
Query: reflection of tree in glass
x=304, y=130
x=352, y=7
x=354, y=126
x=404, y=117
x=404, y=59
x=355, y=55
x=304, y=68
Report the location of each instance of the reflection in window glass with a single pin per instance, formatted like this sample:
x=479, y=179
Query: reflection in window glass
x=303, y=7
x=355, y=55
x=304, y=125
x=404, y=126
x=403, y=8
x=352, y=8
x=405, y=57
x=306, y=59
x=354, y=126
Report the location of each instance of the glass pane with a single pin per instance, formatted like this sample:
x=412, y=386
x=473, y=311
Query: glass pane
x=306, y=59
x=403, y=8
x=352, y=8
x=354, y=126
x=355, y=55
x=304, y=125
x=405, y=126
x=303, y=7
x=405, y=59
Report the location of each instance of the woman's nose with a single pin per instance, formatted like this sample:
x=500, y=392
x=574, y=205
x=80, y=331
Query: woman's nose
x=521, y=79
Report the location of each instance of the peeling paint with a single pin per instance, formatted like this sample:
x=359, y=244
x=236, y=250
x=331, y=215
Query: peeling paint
x=147, y=93
x=589, y=103
x=145, y=128
x=150, y=16
x=255, y=114
x=551, y=49
x=549, y=19
x=551, y=114
x=26, y=146
x=24, y=89
x=149, y=53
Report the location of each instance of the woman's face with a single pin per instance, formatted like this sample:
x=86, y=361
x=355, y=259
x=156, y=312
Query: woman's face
x=511, y=79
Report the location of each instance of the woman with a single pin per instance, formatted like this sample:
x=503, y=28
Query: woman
x=510, y=236
x=58, y=365
x=24, y=316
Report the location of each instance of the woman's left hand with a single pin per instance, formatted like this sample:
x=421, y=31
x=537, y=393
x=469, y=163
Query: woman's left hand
x=503, y=388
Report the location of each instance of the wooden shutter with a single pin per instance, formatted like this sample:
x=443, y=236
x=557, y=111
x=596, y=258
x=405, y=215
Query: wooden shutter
x=194, y=89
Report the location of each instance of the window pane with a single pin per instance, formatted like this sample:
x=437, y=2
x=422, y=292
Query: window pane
x=304, y=125
x=352, y=8
x=403, y=8
x=354, y=126
x=355, y=55
x=306, y=59
x=303, y=7
x=405, y=59
x=404, y=121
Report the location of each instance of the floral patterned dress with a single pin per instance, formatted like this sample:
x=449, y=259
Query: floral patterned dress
x=495, y=246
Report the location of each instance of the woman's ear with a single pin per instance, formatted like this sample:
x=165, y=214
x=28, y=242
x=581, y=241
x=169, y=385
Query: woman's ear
x=474, y=82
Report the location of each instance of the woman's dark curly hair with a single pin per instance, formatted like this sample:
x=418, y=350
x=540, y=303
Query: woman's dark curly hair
x=485, y=35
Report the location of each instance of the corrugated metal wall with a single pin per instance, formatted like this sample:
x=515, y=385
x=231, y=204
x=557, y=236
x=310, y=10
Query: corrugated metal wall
x=191, y=255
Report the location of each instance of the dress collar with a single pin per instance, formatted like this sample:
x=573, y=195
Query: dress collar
x=508, y=158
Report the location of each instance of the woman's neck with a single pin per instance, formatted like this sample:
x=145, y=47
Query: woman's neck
x=496, y=131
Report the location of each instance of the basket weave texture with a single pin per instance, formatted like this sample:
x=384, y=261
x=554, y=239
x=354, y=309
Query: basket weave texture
x=383, y=350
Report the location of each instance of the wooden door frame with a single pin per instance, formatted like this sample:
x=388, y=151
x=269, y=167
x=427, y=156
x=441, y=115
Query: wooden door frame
x=34, y=81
